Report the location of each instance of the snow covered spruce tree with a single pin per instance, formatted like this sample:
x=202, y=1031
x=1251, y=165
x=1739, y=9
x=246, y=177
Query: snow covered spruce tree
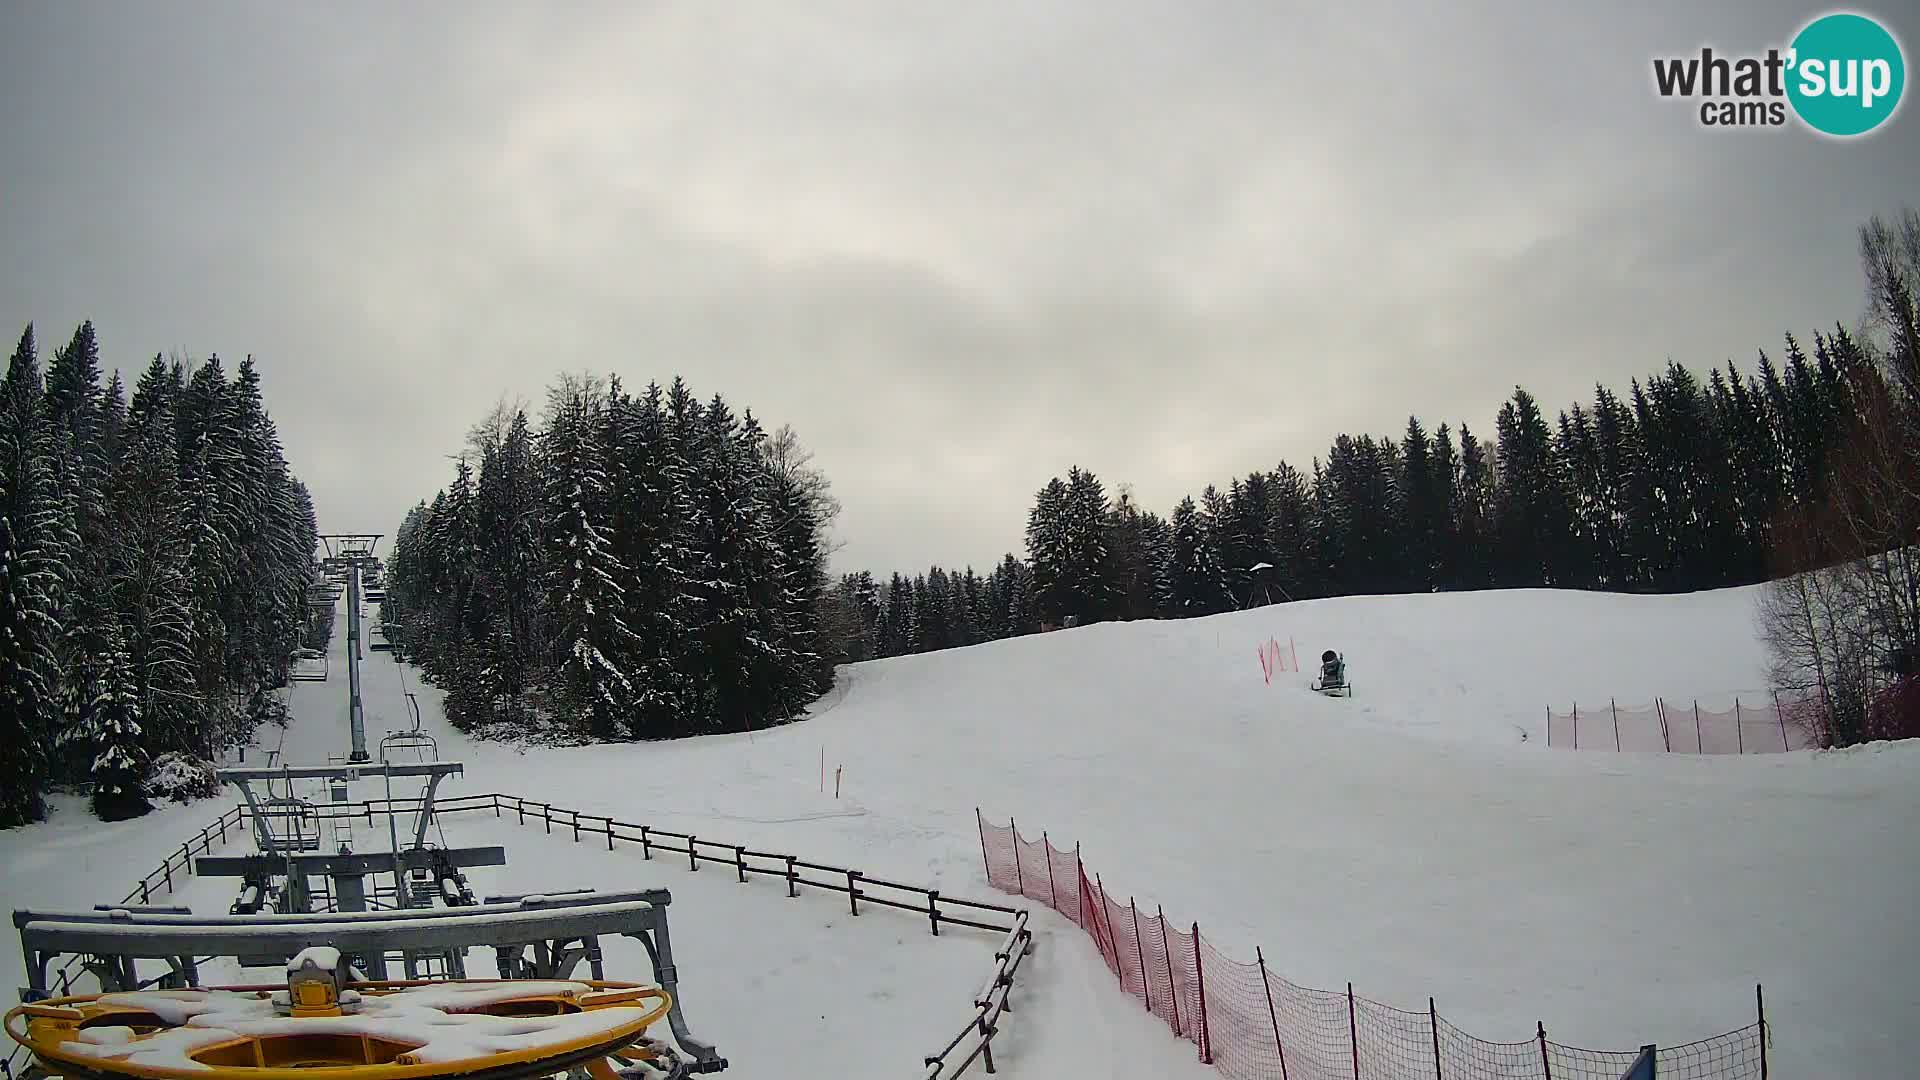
x=677, y=565
x=585, y=607
x=112, y=733
x=29, y=573
x=168, y=531
x=81, y=452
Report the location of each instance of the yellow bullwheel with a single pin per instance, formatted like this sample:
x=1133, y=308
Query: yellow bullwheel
x=317, y=1028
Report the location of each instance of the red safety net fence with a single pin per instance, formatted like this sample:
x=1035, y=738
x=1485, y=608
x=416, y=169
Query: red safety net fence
x=1250, y=1023
x=1663, y=726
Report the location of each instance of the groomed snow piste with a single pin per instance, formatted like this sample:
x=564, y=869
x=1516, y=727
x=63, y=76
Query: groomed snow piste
x=1407, y=840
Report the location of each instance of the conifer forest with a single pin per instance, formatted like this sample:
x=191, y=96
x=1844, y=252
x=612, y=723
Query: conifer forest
x=652, y=564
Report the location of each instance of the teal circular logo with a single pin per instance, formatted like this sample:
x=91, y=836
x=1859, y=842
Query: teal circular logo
x=1846, y=74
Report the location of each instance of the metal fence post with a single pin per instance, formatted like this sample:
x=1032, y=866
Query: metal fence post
x=1545, y=1067
x=1433, y=1025
x=1760, y=1004
x=853, y=890
x=1353, y=1033
x=1272, y=1016
x=1105, y=945
x=1200, y=982
x=1146, y=988
x=1080, y=879
x=1739, y=735
x=1019, y=875
x=1699, y=744
x=1616, y=732
x=986, y=863
x=1046, y=849
x=1166, y=954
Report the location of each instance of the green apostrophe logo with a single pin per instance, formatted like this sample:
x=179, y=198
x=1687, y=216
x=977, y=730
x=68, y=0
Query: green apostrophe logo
x=1848, y=75
x=1842, y=74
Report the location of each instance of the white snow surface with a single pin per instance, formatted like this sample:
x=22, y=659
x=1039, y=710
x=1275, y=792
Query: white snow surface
x=321, y=957
x=1406, y=840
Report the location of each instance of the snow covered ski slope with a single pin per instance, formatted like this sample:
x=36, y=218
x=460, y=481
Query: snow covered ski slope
x=1406, y=840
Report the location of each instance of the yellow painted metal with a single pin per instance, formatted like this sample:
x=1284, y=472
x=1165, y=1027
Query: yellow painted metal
x=45, y=1027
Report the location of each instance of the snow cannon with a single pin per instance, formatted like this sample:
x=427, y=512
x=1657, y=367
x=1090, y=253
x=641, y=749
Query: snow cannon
x=1333, y=676
x=322, y=1028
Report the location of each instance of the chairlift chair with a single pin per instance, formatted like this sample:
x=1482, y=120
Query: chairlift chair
x=411, y=738
x=1333, y=676
x=292, y=822
x=302, y=669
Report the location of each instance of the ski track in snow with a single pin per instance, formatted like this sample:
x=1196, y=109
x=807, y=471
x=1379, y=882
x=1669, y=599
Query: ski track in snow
x=1406, y=839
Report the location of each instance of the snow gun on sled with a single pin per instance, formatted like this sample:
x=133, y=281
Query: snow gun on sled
x=1333, y=676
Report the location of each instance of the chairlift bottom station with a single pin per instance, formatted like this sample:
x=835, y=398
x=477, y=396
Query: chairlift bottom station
x=341, y=915
x=373, y=946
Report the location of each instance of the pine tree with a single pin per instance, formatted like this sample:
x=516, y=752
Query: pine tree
x=120, y=762
x=896, y=618
x=28, y=580
x=150, y=569
x=1534, y=516
x=734, y=555
x=1022, y=614
x=1420, y=509
x=1128, y=543
x=931, y=605
x=1579, y=454
x=586, y=596
x=1445, y=485
x=1047, y=552
x=1359, y=507
x=1474, y=523
x=1198, y=583
x=795, y=502
x=1297, y=574
x=1091, y=585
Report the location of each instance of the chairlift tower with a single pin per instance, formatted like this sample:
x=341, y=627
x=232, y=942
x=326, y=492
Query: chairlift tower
x=355, y=550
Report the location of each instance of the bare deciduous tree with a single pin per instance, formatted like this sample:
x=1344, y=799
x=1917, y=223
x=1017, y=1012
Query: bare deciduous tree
x=794, y=462
x=1844, y=622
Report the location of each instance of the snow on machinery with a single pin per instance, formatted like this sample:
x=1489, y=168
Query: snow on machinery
x=536, y=1020
x=304, y=889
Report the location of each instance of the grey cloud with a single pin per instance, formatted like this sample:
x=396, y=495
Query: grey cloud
x=959, y=248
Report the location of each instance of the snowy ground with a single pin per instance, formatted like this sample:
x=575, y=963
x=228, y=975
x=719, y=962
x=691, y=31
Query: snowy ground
x=1406, y=839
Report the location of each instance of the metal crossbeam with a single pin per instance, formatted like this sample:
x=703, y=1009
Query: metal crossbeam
x=355, y=864
x=356, y=771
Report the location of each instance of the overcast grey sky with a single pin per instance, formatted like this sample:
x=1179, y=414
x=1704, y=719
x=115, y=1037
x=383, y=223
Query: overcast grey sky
x=959, y=247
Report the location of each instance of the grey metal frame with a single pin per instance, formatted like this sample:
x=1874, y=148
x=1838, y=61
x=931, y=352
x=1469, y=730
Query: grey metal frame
x=435, y=771
x=561, y=931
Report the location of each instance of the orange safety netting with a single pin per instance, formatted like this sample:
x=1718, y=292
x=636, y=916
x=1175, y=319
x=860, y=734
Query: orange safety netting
x=1682, y=728
x=1251, y=1024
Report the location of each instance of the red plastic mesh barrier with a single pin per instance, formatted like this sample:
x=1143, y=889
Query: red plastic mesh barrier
x=1682, y=727
x=1251, y=1024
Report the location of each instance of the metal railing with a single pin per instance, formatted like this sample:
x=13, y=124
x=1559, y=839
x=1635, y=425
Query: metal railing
x=972, y=1044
